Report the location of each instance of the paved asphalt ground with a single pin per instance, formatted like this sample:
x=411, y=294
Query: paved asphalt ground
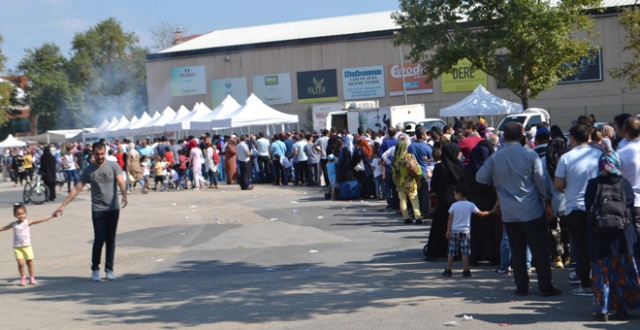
x=271, y=258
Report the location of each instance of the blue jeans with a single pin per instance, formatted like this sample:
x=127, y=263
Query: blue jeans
x=505, y=251
x=71, y=175
x=222, y=175
x=213, y=178
x=378, y=181
x=105, y=224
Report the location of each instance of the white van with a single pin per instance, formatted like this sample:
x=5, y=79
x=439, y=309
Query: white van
x=427, y=123
x=528, y=118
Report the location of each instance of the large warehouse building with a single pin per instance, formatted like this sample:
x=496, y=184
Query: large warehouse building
x=291, y=66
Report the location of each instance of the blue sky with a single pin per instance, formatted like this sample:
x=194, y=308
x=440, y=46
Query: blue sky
x=27, y=24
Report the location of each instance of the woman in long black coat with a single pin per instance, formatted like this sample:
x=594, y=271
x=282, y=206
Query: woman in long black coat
x=48, y=171
x=446, y=176
x=485, y=238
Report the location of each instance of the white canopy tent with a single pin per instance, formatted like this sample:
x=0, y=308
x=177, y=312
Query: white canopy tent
x=157, y=124
x=200, y=110
x=112, y=131
x=121, y=127
x=481, y=103
x=223, y=110
x=182, y=113
x=101, y=129
x=144, y=120
x=254, y=113
x=10, y=141
x=57, y=136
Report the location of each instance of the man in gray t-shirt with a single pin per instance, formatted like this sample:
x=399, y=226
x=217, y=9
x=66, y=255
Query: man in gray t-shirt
x=104, y=177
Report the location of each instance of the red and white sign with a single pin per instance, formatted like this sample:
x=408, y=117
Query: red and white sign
x=415, y=82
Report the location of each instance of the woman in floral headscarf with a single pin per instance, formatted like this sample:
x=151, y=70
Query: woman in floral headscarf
x=406, y=184
x=615, y=273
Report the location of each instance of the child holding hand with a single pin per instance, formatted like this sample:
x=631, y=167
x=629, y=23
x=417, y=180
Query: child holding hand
x=459, y=228
x=22, y=241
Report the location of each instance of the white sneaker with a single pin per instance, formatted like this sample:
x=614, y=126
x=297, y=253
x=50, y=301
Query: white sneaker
x=95, y=276
x=111, y=276
x=574, y=279
x=584, y=292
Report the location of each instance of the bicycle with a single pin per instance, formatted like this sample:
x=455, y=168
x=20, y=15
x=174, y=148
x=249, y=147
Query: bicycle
x=35, y=192
x=26, y=192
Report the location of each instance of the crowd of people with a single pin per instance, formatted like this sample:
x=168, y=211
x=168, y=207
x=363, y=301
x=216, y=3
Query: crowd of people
x=521, y=201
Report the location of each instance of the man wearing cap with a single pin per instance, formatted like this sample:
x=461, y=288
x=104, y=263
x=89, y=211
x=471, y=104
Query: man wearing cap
x=543, y=136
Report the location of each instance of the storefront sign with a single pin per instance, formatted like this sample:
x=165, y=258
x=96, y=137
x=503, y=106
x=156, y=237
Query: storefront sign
x=464, y=78
x=273, y=89
x=236, y=87
x=188, y=80
x=317, y=86
x=589, y=69
x=415, y=81
x=363, y=83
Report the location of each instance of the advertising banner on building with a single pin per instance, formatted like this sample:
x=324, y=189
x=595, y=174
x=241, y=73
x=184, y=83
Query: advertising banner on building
x=415, y=82
x=188, y=80
x=236, y=87
x=273, y=89
x=589, y=69
x=317, y=86
x=464, y=78
x=363, y=83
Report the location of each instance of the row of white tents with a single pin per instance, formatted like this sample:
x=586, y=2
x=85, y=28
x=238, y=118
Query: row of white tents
x=228, y=114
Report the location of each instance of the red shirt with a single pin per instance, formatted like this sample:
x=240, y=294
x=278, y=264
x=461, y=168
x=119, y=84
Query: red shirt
x=120, y=158
x=467, y=144
x=183, y=162
x=169, y=156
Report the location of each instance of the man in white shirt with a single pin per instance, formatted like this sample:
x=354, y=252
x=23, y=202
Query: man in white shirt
x=322, y=144
x=264, y=161
x=630, y=159
x=575, y=168
x=243, y=154
x=302, y=158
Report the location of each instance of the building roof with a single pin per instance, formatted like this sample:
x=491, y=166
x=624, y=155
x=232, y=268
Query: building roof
x=340, y=28
x=316, y=28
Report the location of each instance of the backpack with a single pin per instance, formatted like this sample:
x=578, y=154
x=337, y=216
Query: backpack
x=555, y=149
x=609, y=213
x=215, y=157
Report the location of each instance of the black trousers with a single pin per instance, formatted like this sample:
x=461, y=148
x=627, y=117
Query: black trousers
x=535, y=234
x=105, y=224
x=423, y=198
x=264, y=168
x=313, y=174
x=278, y=171
x=325, y=174
x=304, y=172
x=245, y=174
x=52, y=190
x=577, y=222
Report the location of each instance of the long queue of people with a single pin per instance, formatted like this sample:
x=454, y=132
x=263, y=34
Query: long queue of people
x=522, y=201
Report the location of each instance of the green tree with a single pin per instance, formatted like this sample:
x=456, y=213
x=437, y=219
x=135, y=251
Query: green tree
x=5, y=89
x=630, y=71
x=51, y=89
x=536, y=39
x=108, y=66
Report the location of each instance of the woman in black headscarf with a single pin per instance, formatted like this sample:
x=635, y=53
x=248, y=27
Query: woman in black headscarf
x=485, y=231
x=48, y=172
x=446, y=176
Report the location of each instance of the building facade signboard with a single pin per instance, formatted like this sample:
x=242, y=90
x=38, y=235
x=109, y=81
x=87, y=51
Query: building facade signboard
x=415, y=81
x=363, y=83
x=188, y=80
x=317, y=86
x=464, y=78
x=236, y=87
x=273, y=89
